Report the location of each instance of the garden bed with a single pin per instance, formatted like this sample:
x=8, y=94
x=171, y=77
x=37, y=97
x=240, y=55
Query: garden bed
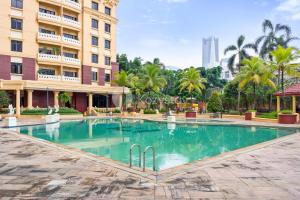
x=44, y=111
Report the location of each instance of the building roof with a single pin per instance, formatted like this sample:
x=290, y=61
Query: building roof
x=290, y=91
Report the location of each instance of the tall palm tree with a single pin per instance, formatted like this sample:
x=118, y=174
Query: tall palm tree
x=284, y=60
x=192, y=81
x=239, y=53
x=122, y=81
x=135, y=87
x=151, y=79
x=254, y=73
x=274, y=35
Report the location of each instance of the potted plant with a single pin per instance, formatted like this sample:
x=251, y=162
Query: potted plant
x=250, y=114
x=288, y=117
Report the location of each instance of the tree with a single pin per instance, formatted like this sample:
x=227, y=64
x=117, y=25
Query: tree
x=64, y=98
x=135, y=87
x=151, y=79
x=214, y=103
x=123, y=62
x=256, y=74
x=239, y=54
x=284, y=62
x=122, y=81
x=4, y=99
x=272, y=38
x=192, y=81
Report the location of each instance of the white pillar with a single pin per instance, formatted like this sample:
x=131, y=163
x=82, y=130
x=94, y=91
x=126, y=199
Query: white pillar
x=18, y=103
x=29, y=99
x=90, y=103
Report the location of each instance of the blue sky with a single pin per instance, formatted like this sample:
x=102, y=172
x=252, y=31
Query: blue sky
x=173, y=29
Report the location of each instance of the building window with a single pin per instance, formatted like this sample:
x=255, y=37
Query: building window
x=70, y=74
x=107, y=60
x=47, y=72
x=95, y=6
x=70, y=55
x=70, y=17
x=16, y=46
x=107, y=44
x=107, y=78
x=16, y=68
x=107, y=11
x=94, y=58
x=16, y=24
x=42, y=10
x=17, y=4
x=74, y=37
x=42, y=30
x=95, y=41
x=95, y=23
x=107, y=28
x=94, y=76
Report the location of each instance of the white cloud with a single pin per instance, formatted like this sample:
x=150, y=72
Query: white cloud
x=290, y=8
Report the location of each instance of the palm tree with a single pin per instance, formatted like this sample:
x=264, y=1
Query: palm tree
x=64, y=98
x=122, y=81
x=192, y=81
x=239, y=54
x=135, y=87
x=273, y=36
x=284, y=60
x=254, y=73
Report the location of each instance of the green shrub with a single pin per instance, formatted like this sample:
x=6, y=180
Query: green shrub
x=234, y=112
x=215, y=103
x=163, y=110
x=44, y=111
x=251, y=111
x=149, y=111
x=4, y=99
x=286, y=112
x=271, y=115
x=116, y=111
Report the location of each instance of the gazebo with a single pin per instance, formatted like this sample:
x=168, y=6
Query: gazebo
x=292, y=91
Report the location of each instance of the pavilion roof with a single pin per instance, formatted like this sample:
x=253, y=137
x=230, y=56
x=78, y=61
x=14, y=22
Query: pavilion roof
x=290, y=91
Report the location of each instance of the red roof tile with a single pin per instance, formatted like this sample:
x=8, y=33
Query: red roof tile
x=292, y=90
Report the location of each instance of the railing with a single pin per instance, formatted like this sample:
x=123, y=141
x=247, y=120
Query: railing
x=51, y=37
x=72, y=4
x=49, y=57
x=70, y=22
x=49, y=77
x=71, y=41
x=49, y=17
x=71, y=79
x=73, y=61
x=140, y=154
x=144, y=156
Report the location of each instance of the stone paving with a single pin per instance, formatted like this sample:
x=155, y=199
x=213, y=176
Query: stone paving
x=30, y=169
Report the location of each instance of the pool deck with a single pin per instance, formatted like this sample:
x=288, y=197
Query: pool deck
x=35, y=169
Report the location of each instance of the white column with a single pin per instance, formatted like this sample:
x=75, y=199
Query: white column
x=18, y=103
x=29, y=99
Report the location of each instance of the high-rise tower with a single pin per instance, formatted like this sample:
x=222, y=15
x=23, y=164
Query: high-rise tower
x=210, y=52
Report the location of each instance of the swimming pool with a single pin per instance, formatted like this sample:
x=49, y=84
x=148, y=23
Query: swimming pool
x=175, y=144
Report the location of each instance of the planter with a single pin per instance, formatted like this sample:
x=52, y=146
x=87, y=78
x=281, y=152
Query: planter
x=250, y=115
x=191, y=114
x=288, y=118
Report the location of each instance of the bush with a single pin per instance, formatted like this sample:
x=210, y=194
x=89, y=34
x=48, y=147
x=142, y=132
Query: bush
x=116, y=111
x=215, y=103
x=234, y=112
x=149, y=111
x=163, y=110
x=251, y=111
x=286, y=112
x=44, y=111
x=272, y=115
x=4, y=99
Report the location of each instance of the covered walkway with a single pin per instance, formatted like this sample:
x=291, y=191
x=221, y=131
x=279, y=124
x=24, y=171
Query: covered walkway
x=292, y=91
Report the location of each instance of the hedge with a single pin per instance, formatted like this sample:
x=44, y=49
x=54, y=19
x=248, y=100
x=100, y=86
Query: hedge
x=43, y=111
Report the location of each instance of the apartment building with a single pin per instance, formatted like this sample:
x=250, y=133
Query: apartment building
x=53, y=46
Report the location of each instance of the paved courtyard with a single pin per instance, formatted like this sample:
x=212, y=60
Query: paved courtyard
x=30, y=169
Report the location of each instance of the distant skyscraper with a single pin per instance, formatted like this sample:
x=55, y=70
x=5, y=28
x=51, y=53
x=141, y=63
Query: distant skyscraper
x=210, y=52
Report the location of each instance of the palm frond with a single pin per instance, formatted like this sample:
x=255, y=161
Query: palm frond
x=240, y=41
x=267, y=24
x=230, y=48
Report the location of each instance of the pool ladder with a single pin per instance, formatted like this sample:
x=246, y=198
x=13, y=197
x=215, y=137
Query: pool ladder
x=140, y=156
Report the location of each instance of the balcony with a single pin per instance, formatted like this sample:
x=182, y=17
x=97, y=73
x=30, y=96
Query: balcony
x=72, y=4
x=49, y=58
x=71, y=79
x=48, y=77
x=71, y=41
x=70, y=22
x=49, y=17
x=43, y=77
x=49, y=37
x=72, y=61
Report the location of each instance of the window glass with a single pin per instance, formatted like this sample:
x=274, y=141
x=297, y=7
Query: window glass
x=107, y=60
x=107, y=44
x=17, y=4
x=107, y=78
x=42, y=10
x=94, y=76
x=95, y=41
x=95, y=5
x=70, y=74
x=107, y=28
x=95, y=23
x=16, y=46
x=107, y=10
x=16, y=24
x=94, y=58
x=16, y=68
x=47, y=71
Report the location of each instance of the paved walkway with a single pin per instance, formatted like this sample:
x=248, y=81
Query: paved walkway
x=32, y=170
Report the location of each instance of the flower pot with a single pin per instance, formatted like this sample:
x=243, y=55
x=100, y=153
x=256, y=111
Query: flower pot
x=190, y=114
x=288, y=118
x=250, y=115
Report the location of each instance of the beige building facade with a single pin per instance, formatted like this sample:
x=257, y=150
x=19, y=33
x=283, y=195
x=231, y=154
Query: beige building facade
x=54, y=46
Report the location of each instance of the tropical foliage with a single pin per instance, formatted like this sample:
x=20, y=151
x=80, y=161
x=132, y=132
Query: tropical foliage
x=215, y=103
x=4, y=99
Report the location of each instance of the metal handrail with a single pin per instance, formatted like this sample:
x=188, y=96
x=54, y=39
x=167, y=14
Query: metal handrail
x=144, y=159
x=140, y=154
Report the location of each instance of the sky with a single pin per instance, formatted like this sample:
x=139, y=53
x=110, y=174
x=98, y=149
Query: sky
x=172, y=30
